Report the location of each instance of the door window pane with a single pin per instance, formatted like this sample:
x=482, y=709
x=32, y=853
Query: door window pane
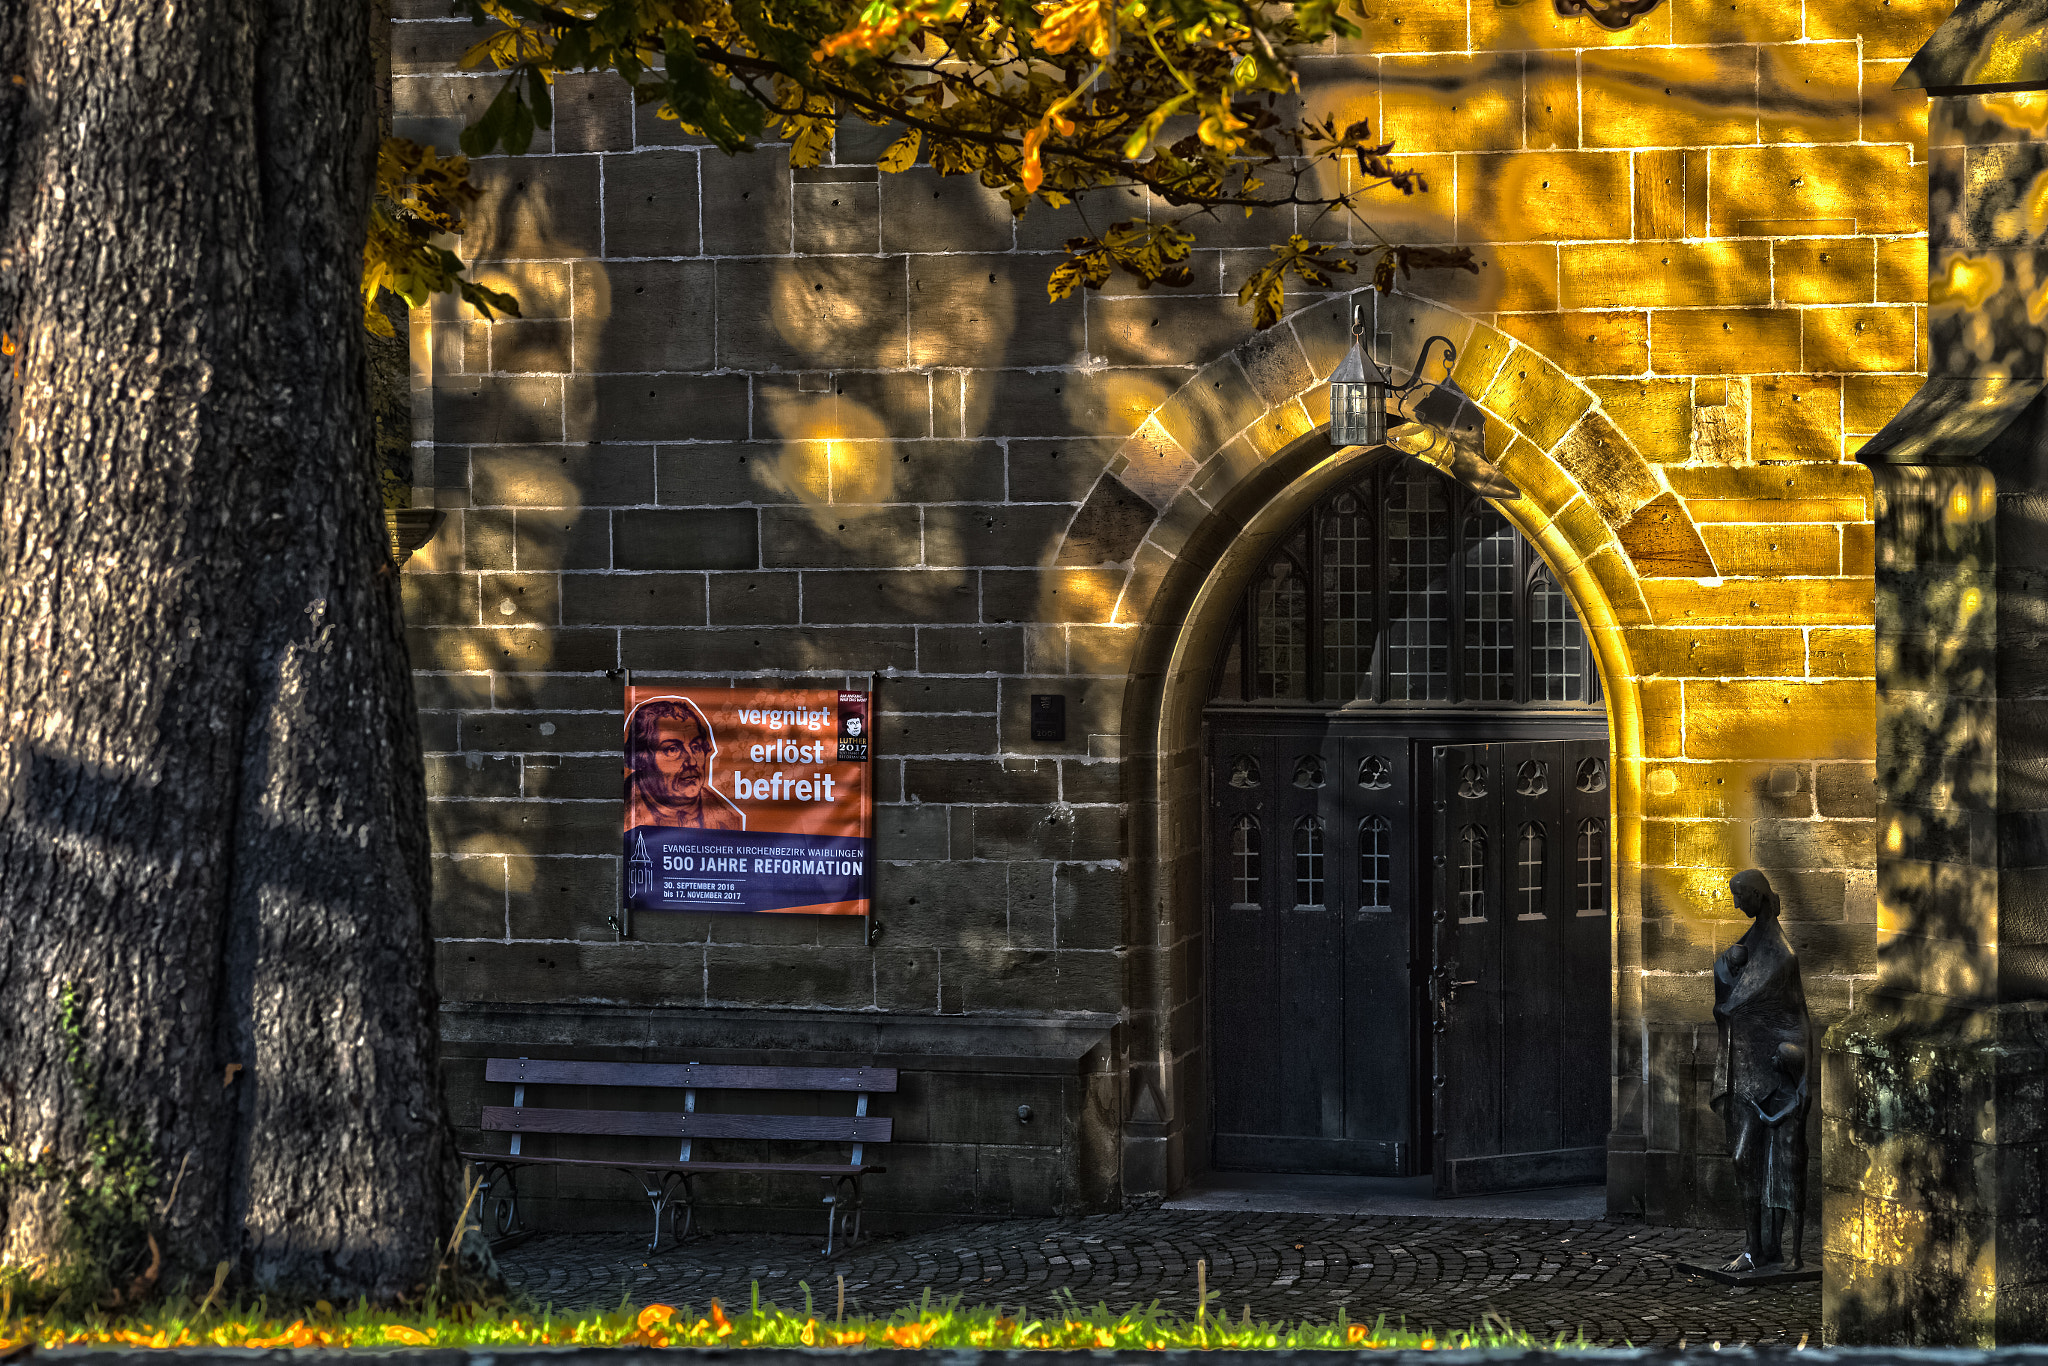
x=1375, y=864
x=1529, y=864
x=1557, y=658
x=1282, y=615
x=1348, y=573
x=1471, y=874
x=1244, y=860
x=1488, y=549
x=1592, y=867
x=1308, y=861
x=1418, y=630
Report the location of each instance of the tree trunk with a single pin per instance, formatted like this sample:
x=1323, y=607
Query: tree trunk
x=212, y=821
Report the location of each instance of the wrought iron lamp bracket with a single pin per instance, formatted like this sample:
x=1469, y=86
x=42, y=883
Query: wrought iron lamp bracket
x=1415, y=379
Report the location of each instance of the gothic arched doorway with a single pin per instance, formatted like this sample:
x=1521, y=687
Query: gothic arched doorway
x=1408, y=852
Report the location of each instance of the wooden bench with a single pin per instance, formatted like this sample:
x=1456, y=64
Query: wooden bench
x=669, y=1185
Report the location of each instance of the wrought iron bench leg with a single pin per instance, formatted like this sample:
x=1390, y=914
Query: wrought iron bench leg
x=667, y=1194
x=497, y=1201
x=842, y=1214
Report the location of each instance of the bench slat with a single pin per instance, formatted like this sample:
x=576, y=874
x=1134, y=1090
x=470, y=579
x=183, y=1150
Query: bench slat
x=703, y=1076
x=792, y=1168
x=662, y=1124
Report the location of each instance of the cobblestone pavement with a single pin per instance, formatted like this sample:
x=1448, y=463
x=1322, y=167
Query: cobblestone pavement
x=1614, y=1279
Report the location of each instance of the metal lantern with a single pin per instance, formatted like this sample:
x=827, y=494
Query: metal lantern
x=1360, y=388
x=1358, y=394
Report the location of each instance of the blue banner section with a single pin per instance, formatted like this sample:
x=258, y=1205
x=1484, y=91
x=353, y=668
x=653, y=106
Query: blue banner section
x=685, y=868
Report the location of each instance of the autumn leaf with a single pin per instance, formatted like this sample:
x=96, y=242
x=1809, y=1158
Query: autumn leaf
x=902, y=153
x=1089, y=23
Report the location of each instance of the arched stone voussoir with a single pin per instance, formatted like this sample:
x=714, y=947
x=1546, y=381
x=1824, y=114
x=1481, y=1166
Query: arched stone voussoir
x=1587, y=489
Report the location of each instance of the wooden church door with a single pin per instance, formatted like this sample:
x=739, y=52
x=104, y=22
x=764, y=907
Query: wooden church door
x=1402, y=615
x=1519, y=979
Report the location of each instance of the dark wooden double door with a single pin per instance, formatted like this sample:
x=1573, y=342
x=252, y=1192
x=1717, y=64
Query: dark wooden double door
x=1409, y=953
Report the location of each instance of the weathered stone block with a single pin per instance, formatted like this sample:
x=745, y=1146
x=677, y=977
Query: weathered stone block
x=1720, y=341
x=469, y=893
x=439, y=599
x=521, y=346
x=746, y=203
x=655, y=408
x=650, y=204
x=846, y=537
x=633, y=599
x=1887, y=30
x=994, y=534
x=1747, y=551
x=981, y=780
x=466, y=649
x=752, y=599
x=1902, y=270
x=836, y=209
x=811, y=313
x=1660, y=97
x=910, y=833
x=1823, y=271
x=1426, y=26
x=975, y=310
x=1877, y=338
x=1545, y=196
x=1452, y=104
x=561, y=538
x=1057, y=471
x=593, y=112
x=1874, y=190
x=490, y=410
x=533, y=208
x=923, y=211
x=1028, y=403
x=805, y=978
x=1585, y=343
x=561, y=476
x=567, y=898
x=1164, y=329
x=1664, y=274
x=644, y=315
x=1537, y=397
x=693, y=538
x=970, y=649
x=1795, y=417
x=1050, y=594
x=922, y=595
x=520, y=599
x=748, y=650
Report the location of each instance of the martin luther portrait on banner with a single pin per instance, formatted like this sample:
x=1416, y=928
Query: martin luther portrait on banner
x=671, y=758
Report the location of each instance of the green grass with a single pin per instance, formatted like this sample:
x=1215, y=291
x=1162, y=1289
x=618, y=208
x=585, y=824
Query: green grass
x=931, y=1323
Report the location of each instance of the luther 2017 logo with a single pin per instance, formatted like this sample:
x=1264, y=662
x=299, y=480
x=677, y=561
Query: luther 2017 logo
x=853, y=727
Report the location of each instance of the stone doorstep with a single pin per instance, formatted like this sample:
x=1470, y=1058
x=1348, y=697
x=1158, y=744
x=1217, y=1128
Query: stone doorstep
x=1765, y=1277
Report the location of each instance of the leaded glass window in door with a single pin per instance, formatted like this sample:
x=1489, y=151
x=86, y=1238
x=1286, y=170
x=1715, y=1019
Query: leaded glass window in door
x=1403, y=587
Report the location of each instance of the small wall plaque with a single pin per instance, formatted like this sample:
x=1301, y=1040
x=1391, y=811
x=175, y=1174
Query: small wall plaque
x=1048, y=716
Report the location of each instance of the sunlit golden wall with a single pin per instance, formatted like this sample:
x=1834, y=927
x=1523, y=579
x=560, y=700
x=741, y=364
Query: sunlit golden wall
x=826, y=422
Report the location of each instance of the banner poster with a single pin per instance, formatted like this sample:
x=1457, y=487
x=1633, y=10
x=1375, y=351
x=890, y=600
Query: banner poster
x=748, y=799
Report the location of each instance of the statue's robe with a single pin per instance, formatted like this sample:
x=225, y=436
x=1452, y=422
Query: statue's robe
x=1759, y=1006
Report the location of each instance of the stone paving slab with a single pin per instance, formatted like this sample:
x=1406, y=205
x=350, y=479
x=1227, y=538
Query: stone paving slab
x=1614, y=1279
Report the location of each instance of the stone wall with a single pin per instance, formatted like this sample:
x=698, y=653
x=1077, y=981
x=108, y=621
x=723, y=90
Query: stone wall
x=824, y=422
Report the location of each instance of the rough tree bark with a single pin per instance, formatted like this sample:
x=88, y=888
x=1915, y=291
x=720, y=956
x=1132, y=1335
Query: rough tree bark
x=212, y=820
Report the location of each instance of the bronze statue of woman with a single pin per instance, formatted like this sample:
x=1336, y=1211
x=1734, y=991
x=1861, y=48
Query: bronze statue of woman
x=1760, y=1075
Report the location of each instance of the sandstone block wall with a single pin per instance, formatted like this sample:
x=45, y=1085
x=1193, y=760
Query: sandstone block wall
x=824, y=423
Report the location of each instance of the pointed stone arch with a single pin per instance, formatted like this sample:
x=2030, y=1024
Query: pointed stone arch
x=1193, y=502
